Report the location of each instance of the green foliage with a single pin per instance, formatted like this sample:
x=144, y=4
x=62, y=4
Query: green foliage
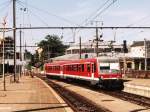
x=52, y=47
x=27, y=55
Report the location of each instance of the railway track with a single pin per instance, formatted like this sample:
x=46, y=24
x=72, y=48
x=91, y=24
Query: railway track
x=77, y=102
x=136, y=99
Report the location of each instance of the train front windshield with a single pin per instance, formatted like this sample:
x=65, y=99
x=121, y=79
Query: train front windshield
x=109, y=66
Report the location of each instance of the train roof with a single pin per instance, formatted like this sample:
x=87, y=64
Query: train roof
x=107, y=58
x=100, y=59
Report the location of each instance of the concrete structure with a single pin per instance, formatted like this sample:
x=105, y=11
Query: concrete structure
x=9, y=55
x=88, y=47
x=31, y=94
x=139, y=51
x=134, y=59
x=137, y=86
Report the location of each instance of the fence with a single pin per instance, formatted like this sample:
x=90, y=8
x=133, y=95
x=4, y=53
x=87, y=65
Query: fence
x=137, y=73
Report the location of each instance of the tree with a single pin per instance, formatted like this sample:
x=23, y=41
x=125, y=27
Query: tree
x=27, y=55
x=52, y=47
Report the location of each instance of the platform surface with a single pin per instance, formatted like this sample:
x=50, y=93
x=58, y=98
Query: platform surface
x=139, y=82
x=30, y=94
x=137, y=86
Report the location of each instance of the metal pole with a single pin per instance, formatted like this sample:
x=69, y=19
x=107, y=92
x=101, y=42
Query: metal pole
x=4, y=83
x=124, y=65
x=48, y=52
x=96, y=41
x=14, y=36
x=145, y=45
x=80, y=47
x=20, y=51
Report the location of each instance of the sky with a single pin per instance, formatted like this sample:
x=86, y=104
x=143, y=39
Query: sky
x=78, y=13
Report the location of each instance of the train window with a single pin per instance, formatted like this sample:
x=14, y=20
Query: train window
x=77, y=68
x=74, y=67
x=68, y=67
x=82, y=65
x=94, y=67
x=71, y=67
x=88, y=68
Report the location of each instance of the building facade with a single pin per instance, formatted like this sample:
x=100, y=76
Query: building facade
x=8, y=56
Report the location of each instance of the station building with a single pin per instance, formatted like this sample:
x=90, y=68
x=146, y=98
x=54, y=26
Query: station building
x=134, y=59
x=8, y=56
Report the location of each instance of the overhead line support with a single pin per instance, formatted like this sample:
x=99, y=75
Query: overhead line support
x=112, y=27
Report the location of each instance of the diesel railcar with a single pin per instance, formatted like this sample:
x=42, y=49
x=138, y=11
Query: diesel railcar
x=103, y=72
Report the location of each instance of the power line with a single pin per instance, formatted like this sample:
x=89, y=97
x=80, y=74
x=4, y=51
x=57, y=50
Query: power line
x=104, y=9
x=69, y=27
x=6, y=2
x=131, y=24
x=59, y=17
x=101, y=7
x=82, y=27
x=38, y=17
x=5, y=5
x=97, y=10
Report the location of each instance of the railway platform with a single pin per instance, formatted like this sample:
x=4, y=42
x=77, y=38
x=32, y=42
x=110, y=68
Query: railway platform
x=137, y=86
x=30, y=94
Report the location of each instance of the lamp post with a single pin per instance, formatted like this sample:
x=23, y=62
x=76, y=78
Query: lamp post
x=145, y=45
x=4, y=23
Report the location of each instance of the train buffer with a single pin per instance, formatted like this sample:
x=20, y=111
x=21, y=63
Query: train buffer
x=30, y=94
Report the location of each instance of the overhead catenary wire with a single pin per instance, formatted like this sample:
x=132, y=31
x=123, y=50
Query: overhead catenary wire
x=93, y=13
x=37, y=17
x=103, y=10
x=5, y=6
x=85, y=22
x=5, y=3
x=51, y=14
x=28, y=12
x=139, y=21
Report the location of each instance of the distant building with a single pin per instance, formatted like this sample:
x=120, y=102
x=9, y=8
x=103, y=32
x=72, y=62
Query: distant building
x=88, y=50
x=8, y=55
x=135, y=59
x=139, y=48
x=8, y=48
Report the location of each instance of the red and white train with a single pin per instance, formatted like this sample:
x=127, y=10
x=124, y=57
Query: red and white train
x=103, y=71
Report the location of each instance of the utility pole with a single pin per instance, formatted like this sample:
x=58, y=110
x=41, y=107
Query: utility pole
x=145, y=45
x=4, y=82
x=20, y=51
x=96, y=41
x=14, y=36
x=80, y=47
x=48, y=52
x=96, y=22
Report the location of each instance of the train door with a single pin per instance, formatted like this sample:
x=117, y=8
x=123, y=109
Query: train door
x=92, y=71
x=61, y=71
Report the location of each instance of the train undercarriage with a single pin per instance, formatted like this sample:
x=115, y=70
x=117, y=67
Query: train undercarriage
x=111, y=84
x=107, y=84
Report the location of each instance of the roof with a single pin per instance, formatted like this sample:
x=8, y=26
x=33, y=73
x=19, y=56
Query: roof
x=139, y=43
